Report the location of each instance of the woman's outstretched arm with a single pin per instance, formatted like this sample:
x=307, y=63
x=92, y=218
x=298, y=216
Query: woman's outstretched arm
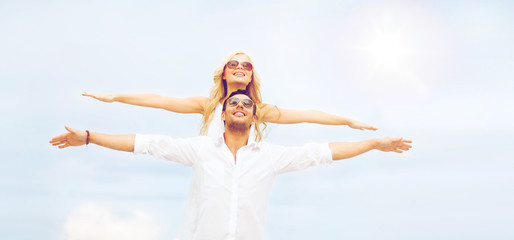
x=273, y=114
x=178, y=105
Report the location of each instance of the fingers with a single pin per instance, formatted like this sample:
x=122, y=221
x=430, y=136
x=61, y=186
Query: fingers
x=55, y=142
x=363, y=126
x=71, y=130
x=86, y=94
x=402, y=147
x=397, y=145
x=65, y=145
x=58, y=141
x=61, y=143
x=400, y=139
x=372, y=128
x=59, y=138
x=405, y=145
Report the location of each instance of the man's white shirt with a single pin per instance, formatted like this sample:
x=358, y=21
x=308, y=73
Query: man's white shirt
x=229, y=196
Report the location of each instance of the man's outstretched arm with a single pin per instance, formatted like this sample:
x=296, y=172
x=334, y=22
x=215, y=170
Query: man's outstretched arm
x=76, y=137
x=343, y=150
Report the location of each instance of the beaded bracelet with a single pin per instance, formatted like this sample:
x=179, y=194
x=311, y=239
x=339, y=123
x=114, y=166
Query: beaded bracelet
x=87, y=138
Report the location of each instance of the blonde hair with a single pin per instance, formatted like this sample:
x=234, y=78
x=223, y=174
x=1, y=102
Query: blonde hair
x=219, y=91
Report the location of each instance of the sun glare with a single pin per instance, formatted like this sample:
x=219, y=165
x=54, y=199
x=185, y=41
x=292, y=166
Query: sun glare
x=388, y=51
x=390, y=58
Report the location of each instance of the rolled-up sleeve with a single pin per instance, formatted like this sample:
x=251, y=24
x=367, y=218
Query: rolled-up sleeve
x=286, y=159
x=183, y=151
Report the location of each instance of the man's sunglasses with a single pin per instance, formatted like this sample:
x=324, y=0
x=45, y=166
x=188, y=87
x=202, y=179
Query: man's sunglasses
x=232, y=64
x=233, y=101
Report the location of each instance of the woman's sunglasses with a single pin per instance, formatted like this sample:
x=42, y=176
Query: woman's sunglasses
x=232, y=64
x=233, y=101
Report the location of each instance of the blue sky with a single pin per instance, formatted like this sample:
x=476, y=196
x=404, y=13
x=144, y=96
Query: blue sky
x=437, y=72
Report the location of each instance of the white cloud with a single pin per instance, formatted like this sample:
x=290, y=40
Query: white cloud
x=96, y=222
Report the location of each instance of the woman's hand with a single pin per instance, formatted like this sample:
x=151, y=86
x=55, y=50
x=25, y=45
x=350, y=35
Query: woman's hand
x=361, y=126
x=102, y=97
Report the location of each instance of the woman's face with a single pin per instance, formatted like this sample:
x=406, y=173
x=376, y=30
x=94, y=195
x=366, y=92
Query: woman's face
x=238, y=75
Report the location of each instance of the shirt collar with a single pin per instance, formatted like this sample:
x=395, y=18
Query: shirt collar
x=221, y=140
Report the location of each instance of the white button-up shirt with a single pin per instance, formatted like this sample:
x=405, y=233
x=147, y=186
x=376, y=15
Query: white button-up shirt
x=228, y=197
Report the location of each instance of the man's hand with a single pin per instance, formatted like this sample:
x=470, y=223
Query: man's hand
x=389, y=144
x=102, y=97
x=73, y=137
x=361, y=126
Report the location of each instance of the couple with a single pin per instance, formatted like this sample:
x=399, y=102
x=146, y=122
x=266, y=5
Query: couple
x=232, y=172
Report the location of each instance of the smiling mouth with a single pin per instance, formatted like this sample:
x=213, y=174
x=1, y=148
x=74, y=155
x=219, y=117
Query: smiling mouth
x=239, y=74
x=239, y=113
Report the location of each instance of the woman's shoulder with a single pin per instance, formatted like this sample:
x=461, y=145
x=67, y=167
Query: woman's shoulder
x=199, y=102
x=199, y=99
x=267, y=109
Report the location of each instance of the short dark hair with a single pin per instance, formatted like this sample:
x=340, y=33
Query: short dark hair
x=242, y=92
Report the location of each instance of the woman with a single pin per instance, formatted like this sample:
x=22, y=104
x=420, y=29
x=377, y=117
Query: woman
x=235, y=73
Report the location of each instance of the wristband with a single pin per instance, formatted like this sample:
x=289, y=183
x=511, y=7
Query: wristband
x=87, y=138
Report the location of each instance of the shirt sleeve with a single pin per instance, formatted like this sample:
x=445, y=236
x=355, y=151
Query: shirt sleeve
x=183, y=151
x=286, y=159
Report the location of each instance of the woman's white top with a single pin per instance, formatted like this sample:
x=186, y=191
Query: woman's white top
x=217, y=126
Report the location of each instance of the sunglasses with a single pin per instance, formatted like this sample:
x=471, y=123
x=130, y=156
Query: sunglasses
x=233, y=101
x=232, y=64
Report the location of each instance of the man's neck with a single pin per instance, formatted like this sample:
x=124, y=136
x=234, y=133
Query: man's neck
x=235, y=140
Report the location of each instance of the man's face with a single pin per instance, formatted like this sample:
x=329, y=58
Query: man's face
x=238, y=116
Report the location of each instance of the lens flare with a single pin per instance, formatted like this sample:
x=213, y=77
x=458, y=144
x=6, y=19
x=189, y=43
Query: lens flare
x=388, y=51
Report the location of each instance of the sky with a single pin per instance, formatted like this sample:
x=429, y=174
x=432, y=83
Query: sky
x=437, y=72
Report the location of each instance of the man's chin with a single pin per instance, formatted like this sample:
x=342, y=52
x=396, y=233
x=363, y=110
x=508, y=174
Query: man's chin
x=238, y=126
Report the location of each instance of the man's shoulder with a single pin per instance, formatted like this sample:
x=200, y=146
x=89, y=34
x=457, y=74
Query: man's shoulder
x=162, y=137
x=263, y=145
x=270, y=145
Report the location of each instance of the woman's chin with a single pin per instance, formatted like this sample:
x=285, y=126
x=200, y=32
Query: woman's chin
x=238, y=82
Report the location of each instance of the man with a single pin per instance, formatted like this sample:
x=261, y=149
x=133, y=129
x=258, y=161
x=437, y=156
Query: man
x=232, y=173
